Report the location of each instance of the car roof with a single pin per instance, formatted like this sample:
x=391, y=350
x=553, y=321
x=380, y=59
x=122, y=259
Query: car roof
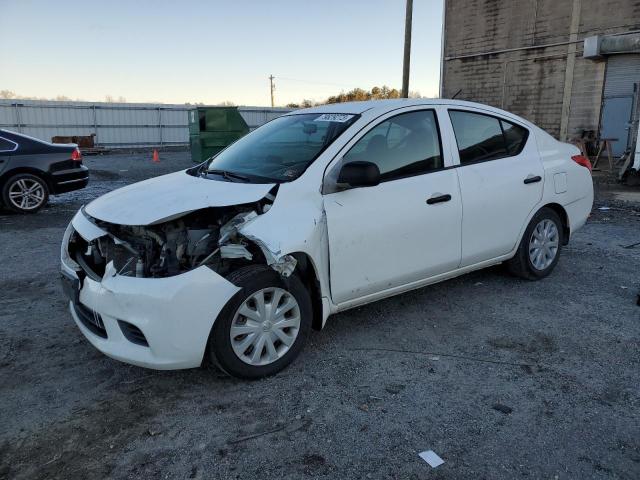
x=382, y=106
x=11, y=133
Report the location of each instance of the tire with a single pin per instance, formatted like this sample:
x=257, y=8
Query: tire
x=255, y=282
x=526, y=264
x=25, y=193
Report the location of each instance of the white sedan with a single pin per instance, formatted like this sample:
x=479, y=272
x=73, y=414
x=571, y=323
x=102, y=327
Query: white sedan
x=234, y=261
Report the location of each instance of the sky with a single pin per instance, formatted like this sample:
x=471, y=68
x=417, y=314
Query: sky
x=214, y=51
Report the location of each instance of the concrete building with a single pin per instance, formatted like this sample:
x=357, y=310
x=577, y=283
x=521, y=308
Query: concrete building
x=567, y=65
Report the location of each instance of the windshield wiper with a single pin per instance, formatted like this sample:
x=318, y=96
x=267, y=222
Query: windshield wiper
x=229, y=175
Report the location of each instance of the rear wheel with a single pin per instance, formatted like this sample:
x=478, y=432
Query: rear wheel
x=264, y=326
x=25, y=193
x=540, y=246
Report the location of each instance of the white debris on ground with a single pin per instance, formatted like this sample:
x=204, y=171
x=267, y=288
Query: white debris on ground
x=431, y=458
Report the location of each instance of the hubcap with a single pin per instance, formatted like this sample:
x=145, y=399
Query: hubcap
x=26, y=194
x=543, y=245
x=265, y=326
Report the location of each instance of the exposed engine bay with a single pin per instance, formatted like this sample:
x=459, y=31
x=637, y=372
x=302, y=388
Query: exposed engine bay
x=205, y=237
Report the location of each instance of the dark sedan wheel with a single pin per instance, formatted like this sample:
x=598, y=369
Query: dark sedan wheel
x=25, y=193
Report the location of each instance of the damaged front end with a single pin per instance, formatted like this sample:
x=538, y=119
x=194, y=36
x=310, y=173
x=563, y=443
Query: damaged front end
x=149, y=294
x=210, y=237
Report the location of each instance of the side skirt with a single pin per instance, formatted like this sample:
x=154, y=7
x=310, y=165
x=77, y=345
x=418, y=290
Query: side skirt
x=356, y=302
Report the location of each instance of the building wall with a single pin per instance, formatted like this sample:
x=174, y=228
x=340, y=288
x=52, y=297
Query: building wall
x=534, y=77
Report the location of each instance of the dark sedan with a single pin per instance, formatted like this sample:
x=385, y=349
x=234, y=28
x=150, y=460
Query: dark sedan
x=31, y=170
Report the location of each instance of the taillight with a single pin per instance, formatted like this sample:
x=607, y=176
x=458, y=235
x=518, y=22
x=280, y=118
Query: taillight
x=76, y=156
x=582, y=160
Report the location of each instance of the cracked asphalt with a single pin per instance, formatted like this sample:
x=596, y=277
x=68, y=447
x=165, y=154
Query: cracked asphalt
x=501, y=377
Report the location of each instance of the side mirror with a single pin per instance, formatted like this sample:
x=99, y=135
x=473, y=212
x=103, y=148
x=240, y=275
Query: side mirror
x=359, y=174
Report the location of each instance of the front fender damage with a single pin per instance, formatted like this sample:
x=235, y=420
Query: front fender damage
x=283, y=264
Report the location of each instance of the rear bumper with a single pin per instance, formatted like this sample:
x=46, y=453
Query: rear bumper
x=578, y=212
x=70, y=179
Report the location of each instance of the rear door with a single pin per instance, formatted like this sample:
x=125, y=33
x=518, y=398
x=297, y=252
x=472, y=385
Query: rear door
x=501, y=180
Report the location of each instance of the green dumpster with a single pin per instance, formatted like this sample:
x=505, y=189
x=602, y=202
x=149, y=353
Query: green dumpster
x=212, y=129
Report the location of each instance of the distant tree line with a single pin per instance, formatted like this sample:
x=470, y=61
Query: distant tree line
x=355, y=95
x=10, y=95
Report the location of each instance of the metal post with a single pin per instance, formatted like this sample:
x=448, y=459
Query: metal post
x=568, y=72
x=442, y=50
x=160, y=124
x=18, y=126
x=273, y=87
x=407, y=49
x=95, y=126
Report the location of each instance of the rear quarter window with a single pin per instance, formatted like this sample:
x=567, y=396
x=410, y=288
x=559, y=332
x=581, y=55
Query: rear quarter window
x=482, y=137
x=515, y=137
x=7, y=145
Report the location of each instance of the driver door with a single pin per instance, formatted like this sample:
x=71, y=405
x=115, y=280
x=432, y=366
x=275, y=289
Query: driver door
x=404, y=229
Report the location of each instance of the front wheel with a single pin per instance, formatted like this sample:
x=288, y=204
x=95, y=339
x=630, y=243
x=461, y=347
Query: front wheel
x=264, y=326
x=539, y=248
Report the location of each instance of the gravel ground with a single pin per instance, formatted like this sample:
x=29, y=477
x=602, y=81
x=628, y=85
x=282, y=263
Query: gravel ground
x=502, y=378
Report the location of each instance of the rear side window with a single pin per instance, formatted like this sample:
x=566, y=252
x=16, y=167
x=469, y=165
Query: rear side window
x=482, y=137
x=6, y=145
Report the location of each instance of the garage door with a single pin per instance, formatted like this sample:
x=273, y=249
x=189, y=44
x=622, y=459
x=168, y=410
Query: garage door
x=620, y=100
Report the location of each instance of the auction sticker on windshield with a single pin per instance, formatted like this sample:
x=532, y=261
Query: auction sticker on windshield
x=334, y=117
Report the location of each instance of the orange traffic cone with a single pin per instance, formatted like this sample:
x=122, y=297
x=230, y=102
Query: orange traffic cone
x=155, y=157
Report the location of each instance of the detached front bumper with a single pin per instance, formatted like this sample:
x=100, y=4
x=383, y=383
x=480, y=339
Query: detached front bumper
x=171, y=317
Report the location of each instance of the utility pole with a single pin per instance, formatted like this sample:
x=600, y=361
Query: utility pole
x=407, y=49
x=273, y=87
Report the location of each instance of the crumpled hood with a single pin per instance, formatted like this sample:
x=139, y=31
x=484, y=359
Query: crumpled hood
x=168, y=196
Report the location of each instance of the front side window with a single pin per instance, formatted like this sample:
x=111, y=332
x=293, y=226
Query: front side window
x=281, y=150
x=482, y=137
x=405, y=145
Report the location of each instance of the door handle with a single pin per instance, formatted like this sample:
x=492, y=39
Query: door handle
x=535, y=179
x=439, y=199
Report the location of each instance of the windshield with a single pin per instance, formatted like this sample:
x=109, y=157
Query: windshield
x=281, y=150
